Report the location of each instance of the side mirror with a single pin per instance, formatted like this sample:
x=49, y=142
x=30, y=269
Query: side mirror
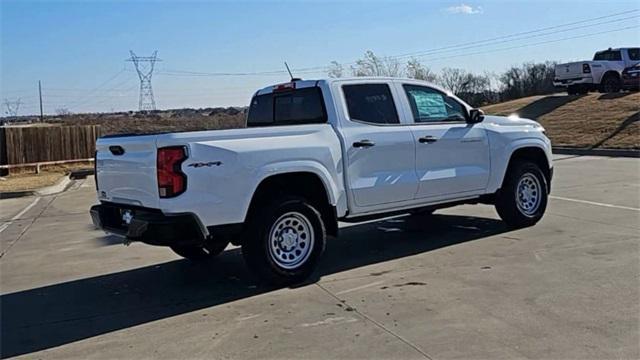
x=476, y=116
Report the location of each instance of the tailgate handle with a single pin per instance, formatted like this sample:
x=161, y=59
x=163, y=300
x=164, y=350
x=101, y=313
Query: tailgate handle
x=116, y=150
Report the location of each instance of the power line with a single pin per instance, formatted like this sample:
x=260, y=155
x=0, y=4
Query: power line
x=115, y=87
x=534, y=44
x=450, y=48
x=92, y=91
x=428, y=52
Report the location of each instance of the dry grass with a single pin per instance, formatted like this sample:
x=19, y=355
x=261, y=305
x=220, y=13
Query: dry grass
x=25, y=181
x=22, y=179
x=161, y=121
x=594, y=120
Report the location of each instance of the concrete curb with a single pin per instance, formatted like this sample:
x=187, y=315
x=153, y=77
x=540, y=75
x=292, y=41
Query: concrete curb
x=597, y=152
x=56, y=188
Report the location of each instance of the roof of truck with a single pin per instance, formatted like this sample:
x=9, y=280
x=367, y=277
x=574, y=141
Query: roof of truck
x=304, y=83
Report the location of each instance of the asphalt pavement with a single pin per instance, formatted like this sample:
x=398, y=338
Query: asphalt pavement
x=458, y=284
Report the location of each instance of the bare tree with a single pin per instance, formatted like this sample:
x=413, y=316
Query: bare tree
x=63, y=111
x=372, y=65
x=527, y=80
x=415, y=70
x=335, y=70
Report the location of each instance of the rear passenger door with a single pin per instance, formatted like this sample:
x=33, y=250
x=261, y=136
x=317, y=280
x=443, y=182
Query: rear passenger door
x=379, y=149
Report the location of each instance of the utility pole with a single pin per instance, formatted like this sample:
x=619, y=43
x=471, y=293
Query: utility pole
x=40, y=92
x=144, y=66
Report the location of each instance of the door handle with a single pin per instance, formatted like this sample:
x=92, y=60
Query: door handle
x=427, y=139
x=363, y=144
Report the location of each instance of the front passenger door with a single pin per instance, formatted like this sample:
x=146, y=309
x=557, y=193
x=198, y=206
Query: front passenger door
x=452, y=155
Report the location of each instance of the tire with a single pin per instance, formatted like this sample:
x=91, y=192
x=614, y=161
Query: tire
x=199, y=253
x=583, y=90
x=522, y=200
x=284, y=240
x=611, y=84
x=572, y=90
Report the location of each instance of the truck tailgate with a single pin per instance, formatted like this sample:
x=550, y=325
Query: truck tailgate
x=126, y=170
x=569, y=70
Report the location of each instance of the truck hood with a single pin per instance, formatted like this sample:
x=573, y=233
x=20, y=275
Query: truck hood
x=512, y=120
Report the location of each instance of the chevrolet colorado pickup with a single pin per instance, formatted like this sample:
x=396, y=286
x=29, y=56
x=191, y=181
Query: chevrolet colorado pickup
x=603, y=73
x=315, y=153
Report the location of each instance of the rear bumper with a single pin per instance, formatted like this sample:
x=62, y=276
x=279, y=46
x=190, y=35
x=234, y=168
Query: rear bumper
x=573, y=81
x=149, y=226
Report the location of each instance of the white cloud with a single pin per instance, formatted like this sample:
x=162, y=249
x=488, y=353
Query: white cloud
x=464, y=9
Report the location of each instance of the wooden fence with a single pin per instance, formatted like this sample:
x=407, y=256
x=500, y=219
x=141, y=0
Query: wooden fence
x=31, y=144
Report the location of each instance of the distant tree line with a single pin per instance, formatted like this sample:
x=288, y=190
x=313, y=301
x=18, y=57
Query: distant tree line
x=477, y=89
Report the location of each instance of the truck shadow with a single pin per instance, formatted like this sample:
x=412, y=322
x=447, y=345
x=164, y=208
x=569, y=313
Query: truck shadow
x=50, y=316
x=545, y=105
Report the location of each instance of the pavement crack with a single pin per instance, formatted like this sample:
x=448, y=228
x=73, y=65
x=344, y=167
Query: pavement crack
x=376, y=323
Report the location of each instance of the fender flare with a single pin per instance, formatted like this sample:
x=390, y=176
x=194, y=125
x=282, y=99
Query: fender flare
x=514, y=146
x=332, y=189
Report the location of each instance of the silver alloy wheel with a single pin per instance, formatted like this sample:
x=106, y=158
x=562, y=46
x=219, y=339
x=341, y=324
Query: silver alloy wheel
x=528, y=194
x=291, y=240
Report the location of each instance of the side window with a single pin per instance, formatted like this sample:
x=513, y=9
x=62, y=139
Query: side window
x=609, y=55
x=430, y=105
x=371, y=103
x=634, y=54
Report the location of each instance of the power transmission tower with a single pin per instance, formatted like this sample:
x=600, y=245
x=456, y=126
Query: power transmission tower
x=12, y=107
x=144, y=66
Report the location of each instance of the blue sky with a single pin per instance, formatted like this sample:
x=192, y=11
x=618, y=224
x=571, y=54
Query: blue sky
x=78, y=48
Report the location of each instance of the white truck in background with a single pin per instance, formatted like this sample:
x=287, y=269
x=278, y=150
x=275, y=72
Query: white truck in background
x=603, y=73
x=317, y=152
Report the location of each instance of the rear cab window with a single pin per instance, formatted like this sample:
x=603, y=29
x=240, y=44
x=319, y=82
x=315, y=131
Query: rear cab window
x=608, y=55
x=371, y=103
x=290, y=107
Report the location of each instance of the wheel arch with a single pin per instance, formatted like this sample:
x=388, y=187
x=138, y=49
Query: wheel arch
x=307, y=183
x=533, y=153
x=609, y=72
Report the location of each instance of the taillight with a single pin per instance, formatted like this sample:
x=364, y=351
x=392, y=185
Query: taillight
x=586, y=68
x=284, y=87
x=171, y=180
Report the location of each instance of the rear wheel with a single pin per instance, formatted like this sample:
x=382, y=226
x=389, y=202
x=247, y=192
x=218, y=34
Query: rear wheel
x=611, y=84
x=203, y=252
x=522, y=200
x=583, y=90
x=572, y=90
x=284, y=240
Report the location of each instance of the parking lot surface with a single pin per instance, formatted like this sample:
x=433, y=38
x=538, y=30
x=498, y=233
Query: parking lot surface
x=458, y=284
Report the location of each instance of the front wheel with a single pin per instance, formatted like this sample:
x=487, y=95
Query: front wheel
x=522, y=199
x=284, y=240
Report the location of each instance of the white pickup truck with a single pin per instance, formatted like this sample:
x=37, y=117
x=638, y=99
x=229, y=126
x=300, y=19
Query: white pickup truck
x=315, y=153
x=604, y=73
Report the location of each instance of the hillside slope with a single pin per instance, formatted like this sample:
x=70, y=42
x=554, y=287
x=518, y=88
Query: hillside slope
x=592, y=121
